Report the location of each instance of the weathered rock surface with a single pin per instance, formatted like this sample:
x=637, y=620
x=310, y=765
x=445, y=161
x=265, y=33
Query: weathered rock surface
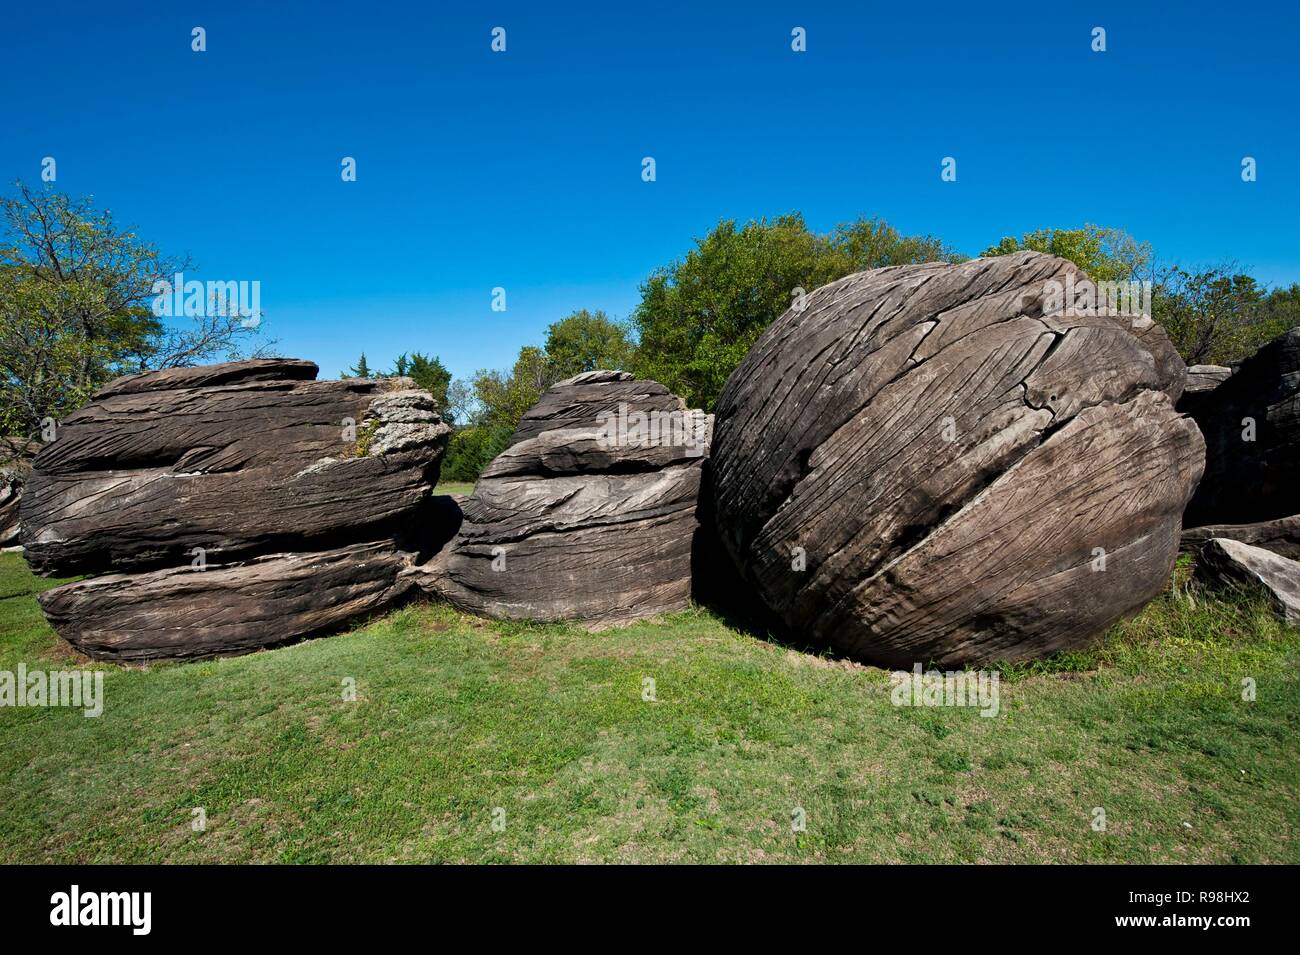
x=589, y=515
x=1251, y=424
x=13, y=475
x=184, y=613
x=1281, y=536
x=223, y=373
x=298, y=500
x=1201, y=381
x=156, y=465
x=1172, y=375
x=1232, y=563
x=923, y=466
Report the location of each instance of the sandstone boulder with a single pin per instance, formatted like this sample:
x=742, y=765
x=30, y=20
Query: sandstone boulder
x=234, y=506
x=589, y=515
x=1232, y=563
x=1251, y=424
x=929, y=463
x=240, y=459
x=187, y=613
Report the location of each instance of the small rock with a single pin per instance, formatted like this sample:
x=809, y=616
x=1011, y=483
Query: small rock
x=1281, y=536
x=1233, y=563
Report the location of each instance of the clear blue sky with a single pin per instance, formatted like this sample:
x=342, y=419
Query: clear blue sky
x=522, y=169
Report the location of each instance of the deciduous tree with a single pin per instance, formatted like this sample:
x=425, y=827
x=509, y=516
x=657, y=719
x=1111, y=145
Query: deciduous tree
x=76, y=296
x=698, y=316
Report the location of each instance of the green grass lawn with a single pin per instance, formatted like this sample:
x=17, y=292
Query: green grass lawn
x=454, y=487
x=456, y=717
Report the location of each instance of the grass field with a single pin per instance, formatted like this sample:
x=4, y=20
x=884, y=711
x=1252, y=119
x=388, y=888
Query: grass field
x=458, y=723
x=454, y=487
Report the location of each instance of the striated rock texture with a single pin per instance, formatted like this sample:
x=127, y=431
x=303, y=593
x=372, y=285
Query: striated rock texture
x=184, y=613
x=1251, y=424
x=1234, y=564
x=589, y=515
x=1281, y=536
x=220, y=467
x=11, y=492
x=922, y=466
x=239, y=464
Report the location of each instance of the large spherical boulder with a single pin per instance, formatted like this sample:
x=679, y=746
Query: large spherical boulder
x=955, y=463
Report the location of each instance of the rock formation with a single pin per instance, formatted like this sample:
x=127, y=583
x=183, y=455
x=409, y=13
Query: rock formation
x=1201, y=382
x=589, y=515
x=954, y=464
x=1281, y=536
x=180, y=613
x=230, y=502
x=1232, y=563
x=1251, y=424
x=11, y=492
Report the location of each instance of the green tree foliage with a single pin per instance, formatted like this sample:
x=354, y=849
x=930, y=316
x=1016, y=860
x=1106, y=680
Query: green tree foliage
x=489, y=407
x=431, y=375
x=427, y=372
x=699, y=316
x=1213, y=315
x=76, y=297
x=1106, y=255
x=360, y=370
x=503, y=397
x=472, y=449
x=587, y=341
x=1219, y=315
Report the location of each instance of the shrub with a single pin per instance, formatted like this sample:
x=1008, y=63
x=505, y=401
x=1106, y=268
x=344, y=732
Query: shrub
x=471, y=449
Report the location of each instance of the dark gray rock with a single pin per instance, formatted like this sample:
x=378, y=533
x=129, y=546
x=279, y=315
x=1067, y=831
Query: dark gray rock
x=1232, y=563
x=579, y=402
x=1252, y=481
x=208, y=376
x=923, y=466
x=1281, y=536
x=589, y=515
